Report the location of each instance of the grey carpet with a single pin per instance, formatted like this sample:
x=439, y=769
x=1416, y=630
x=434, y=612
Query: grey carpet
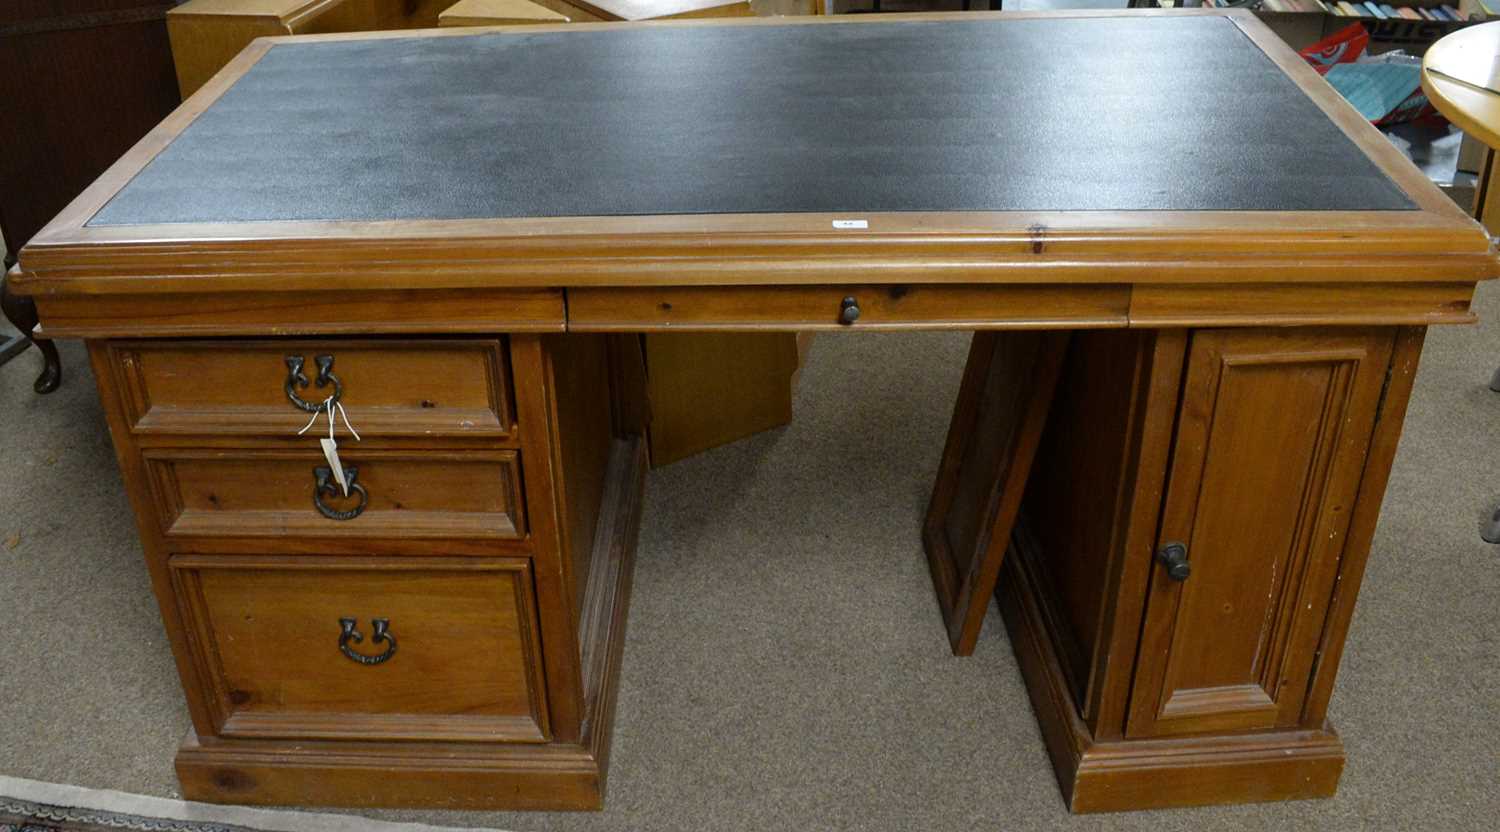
x=785, y=668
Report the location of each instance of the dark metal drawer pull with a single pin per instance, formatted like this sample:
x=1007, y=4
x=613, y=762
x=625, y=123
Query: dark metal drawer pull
x=296, y=380
x=382, y=633
x=1174, y=557
x=326, y=484
x=848, y=311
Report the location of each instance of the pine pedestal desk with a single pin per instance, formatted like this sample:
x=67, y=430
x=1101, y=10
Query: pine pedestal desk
x=1199, y=285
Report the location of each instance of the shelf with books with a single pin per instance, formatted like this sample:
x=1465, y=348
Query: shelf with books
x=1411, y=25
x=1463, y=12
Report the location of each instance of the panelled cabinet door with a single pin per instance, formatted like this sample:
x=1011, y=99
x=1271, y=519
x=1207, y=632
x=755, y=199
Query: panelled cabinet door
x=1271, y=438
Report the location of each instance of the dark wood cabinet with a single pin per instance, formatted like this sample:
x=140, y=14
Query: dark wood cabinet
x=80, y=82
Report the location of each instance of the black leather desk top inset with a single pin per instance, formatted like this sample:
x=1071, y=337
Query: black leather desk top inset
x=1061, y=114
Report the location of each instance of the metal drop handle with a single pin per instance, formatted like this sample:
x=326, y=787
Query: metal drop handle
x=349, y=632
x=326, y=483
x=1174, y=557
x=297, y=380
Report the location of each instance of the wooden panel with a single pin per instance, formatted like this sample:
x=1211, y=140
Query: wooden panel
x=536, y=392
x=303, y=313
x=582, y=435
x=1363, y=519
x=514, y=777
x=1083, y=488
x=1270, y=445
x=819, y=307
x=463, y=662
x=389, y=388
x=1303, y=305
x=1002, y=407
x=711, y=388
x=266, y=493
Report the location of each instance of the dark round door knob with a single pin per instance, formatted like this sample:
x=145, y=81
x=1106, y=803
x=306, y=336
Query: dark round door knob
x=1174, y=557
x=849, y=311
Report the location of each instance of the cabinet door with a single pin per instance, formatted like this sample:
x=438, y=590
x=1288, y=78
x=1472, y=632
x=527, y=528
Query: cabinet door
x=1271, y=438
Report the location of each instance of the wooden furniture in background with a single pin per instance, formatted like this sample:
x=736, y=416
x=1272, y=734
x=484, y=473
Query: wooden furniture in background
x=498, y=13
x=1460, y=78
x=81, y=81
x=711, y=388
x=1203, y=457
x=583, y=11
x=206, y=34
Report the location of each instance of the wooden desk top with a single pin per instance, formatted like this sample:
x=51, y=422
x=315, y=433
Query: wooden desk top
x=1089, y=147
x=1461, y=75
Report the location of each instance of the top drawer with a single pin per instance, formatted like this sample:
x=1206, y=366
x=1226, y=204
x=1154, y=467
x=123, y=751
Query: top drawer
x=387, y=387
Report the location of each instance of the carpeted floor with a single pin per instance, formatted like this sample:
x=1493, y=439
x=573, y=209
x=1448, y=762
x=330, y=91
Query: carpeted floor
x=785, y=667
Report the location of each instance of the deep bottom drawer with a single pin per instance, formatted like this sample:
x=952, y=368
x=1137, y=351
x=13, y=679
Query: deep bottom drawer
x=366, y=648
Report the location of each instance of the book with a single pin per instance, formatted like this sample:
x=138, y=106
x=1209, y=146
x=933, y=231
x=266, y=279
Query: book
x=1453, y=13
x=1375, y=10
x=1390, y=11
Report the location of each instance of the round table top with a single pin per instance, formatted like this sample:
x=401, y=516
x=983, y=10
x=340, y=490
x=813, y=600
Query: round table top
x=1461, y=75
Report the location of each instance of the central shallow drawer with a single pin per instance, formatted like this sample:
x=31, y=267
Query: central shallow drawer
x=287, y=647
x=290, y=494
x=396, y=387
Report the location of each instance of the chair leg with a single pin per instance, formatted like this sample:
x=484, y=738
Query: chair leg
x=21, y=312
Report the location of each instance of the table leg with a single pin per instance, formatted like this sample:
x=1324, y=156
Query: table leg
x=21, y=312
x=1486, y=211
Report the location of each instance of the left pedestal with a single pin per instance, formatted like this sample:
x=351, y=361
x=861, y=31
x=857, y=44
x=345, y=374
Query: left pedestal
x=446, y=631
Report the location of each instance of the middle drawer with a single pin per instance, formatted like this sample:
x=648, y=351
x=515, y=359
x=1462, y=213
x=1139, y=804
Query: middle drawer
x=468, y=493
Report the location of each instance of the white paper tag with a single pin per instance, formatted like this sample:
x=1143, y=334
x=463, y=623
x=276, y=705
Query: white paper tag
x=851, y=223
x=331, y=453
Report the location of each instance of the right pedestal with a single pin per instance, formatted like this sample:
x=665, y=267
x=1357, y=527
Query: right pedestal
x=1191, y=541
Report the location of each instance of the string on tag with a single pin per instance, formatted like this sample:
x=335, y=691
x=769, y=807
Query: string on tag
x=328, y=405
x=331, y=445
